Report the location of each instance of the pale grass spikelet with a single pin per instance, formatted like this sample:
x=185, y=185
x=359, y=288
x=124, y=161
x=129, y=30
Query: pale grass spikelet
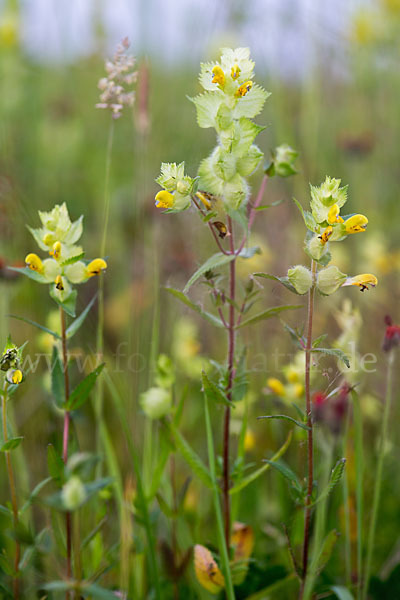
x=120, y=76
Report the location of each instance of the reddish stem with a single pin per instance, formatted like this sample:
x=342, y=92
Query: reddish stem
x=68, y=524
x=253, y=211
x=310, y=454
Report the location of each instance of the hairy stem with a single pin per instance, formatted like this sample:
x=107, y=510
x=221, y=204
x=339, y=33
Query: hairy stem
x=379, y=472
x=13, y=492
x=310, y=453
x=231, y=357
x=68, y=523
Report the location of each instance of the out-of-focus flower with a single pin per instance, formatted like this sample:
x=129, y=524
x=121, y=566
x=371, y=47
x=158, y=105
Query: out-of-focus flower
x=178, y=187
x=8, y=30
x=186, y=347
x=331, y=410
x=120, y=75
x=73, y=493
x=207, y=571
x=392, y=335
x=292, y=388
x=156, y=402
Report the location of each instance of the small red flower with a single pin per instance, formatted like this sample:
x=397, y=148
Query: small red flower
x=392, y=335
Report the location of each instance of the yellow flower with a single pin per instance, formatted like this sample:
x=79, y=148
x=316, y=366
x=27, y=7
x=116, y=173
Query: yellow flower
x=276, y=386
x=205, y=198
x=34, y=263
x=207, y=571
x=243, y=89
x=356, y=224
x=334, y=215
x=16, y=377
x=363, y=281
x=164, y=199
x=218, y=76
x=96, y=267
x=59, y=283
x=56, y=250
x=324, y=237
x=249, y=440
x=298, y=389
x=235, y=71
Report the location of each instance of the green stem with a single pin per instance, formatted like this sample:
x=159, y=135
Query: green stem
x=13, y=493
x=217, y=507
x=310, y=451
x=359, y=467
x=378, y=475
x=100, y=321
x=346, y=506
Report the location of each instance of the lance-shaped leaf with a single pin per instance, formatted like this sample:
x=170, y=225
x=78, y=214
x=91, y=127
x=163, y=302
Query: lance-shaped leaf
x=76, y=324
x=192, y=458
x=268, y=314
x=287, y=473
x=11, y=444
x=333, y=352
x=286, y=418
x=283, y=280
x=206, y=315
x=217, y=260
x=213, y=392
x=69, y=303
x=30, y=322
x=342, y=593
x=321, y=559
x=83, y=389
x=336, y=475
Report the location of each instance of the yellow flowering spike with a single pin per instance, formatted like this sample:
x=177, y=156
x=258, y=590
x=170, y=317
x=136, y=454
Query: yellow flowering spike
x=96, y=267
x=326, y=234
x=276, y=386
x=356, y=224
x=56, y=250
x=205, y=198
x=362, y=281
x=235, y=71
x=164, y=199
x=207, y=571
x=33, y=262
x=218, y=76
x=334, y=215
x=59, y=283
x=243, y=89
x=242, y=540
x=16, y=377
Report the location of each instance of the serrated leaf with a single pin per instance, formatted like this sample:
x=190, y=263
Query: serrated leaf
x=213, y=392
x=252, y=103
x=30, y=322
x=286, y=418
x=207, y=106
x=308, y=218
x=336, y=475
x=283, y=280
x=76, y=324
x=287, y=473
x=217, y=260
x=72, y=260
x=268, y=314
x=81, y=393
x=334, y=352
x=11, y=444
x=319, y=339
x=192, y=458
x=253, y=476
x=206, y=315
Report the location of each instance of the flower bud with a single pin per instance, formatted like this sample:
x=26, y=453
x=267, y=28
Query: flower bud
x=301, y=279
x=73, y=493
x=156, y=402
x=329, y=280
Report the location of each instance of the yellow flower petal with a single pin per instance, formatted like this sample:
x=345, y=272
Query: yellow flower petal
x=235, y=71
x=96, y=267
x=207, y=571
x=362, y=281
x=276, y=386
x=34, y=263
x=16, y=377
x=164, y=199
x=356, y=224
x=243, y=89
x=56, y=250
x=334, y=215
x=218, y=76
x=324, y=237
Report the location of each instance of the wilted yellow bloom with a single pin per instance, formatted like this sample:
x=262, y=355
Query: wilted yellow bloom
x=334, y=215
x=164, y=199
x=356, y=224
x=276, y=386
x=363, y=281
x=207, y=571
x=218, y=76
x=96, y=267
x=205, y=198
x=34, y=263
x=243, y=89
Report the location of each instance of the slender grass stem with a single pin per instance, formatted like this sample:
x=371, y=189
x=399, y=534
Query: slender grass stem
x=68, y=517
x=13, y=492
x=310, y=452
x=359, y=468
x=346, y=507
x=100, y=320
x=378, y=474
x=224, y=548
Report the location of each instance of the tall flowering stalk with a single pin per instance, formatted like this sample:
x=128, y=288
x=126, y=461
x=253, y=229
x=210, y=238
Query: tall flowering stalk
x=325, y=225
x=66, y=267
x=10, y=364
x=221, y=196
